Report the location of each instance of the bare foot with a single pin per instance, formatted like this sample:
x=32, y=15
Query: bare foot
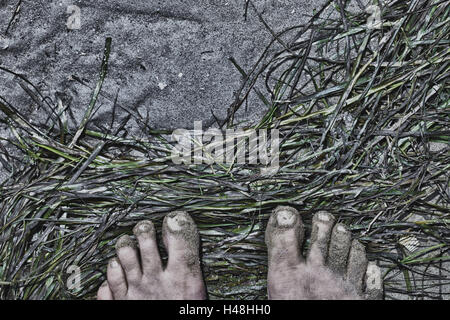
x=335, y=267
x=134, y=276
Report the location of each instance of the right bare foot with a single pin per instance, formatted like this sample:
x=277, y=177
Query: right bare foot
x=335, y=267
x=132, y=276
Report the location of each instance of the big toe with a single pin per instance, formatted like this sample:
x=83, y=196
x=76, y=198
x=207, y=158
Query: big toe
x=284, y=237
x=181, y=239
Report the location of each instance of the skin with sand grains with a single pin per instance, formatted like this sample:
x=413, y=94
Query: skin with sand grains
x=335, y=266
x=131, y=278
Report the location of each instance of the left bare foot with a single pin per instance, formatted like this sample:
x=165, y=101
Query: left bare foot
x=134, y=276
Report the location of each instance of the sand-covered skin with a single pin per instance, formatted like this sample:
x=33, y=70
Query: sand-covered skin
x=181, y=237
x=140, y=275
x=335, y=267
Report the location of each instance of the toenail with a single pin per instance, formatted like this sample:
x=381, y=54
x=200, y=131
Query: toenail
x=125, y=241
x=285, y=218
x=341, y=228
x=177, y=221
x=113, y=263
x=143, y=227
x=324, y=216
